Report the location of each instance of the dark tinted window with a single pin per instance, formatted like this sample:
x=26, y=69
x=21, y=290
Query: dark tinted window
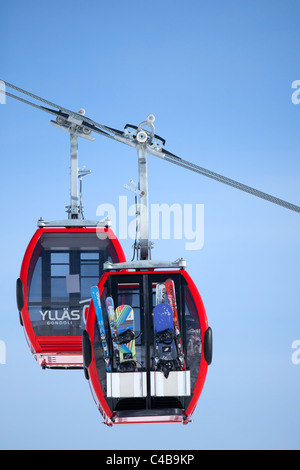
x=63, y=268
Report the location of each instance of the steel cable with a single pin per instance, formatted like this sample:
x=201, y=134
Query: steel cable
x=164, y=154
x=235, y=184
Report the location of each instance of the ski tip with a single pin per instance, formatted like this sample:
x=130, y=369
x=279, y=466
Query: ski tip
x=125, y=308
x=109, y=302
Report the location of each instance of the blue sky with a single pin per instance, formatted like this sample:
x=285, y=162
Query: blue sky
x=217, y=76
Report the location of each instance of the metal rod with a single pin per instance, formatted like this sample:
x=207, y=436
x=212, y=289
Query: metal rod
x=74, y=210
x=144, y=208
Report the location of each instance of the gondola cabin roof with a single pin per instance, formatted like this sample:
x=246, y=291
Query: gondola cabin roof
x=142, y=393
x=53, y=291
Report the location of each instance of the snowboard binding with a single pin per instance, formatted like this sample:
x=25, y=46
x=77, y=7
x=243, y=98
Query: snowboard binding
x=165, y=336
x=125, y=337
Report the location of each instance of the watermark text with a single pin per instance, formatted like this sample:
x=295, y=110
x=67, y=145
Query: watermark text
x=296, y=353
x=175, y=222
x=296, y=94
x=2, y=92
x=2, y=352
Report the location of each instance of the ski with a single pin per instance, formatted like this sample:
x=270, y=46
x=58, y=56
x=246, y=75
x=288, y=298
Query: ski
x=126, y=338
x=160, y=298
x=165, y=358
x=113, y=327
x=170, y=288
x=99, y=315
x=160, y=293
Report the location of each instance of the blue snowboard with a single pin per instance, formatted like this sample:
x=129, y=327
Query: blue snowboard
x=165, y=358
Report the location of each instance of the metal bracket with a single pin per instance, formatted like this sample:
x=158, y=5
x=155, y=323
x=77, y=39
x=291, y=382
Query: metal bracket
x=74, y=223
x=133, y=188
x=79, y=131
x=145, y=265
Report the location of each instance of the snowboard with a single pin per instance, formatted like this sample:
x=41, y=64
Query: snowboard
x=165, y=358
x=170, y=288
x=113, y=327
x=126, y=338
x=99, y=315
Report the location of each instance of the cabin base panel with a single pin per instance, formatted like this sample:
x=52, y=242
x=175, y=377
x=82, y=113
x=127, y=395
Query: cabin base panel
x=134, y=384
x=59, y=361
x=150, y=416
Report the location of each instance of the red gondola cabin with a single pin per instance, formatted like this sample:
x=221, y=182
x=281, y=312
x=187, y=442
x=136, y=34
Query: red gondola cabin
x=53, y=292
x=145, y=395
